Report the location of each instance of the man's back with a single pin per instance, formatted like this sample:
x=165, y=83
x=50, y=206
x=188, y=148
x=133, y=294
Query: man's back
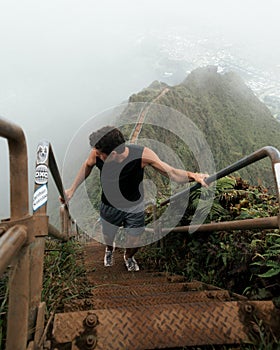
x=122, y=181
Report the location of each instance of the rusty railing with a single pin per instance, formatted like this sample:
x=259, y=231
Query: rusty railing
x=258, y=223
x=22, y=238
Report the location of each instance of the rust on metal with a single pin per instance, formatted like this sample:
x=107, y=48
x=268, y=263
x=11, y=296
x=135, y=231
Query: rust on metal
x=267, y=151
x=170, y=325
x=168, y=314
x=11, y=242
x=2, y=230
x=148, y=296
x=40, y=324
x=18, y=307
x=160, y=298
x=35, y=225
x=19, y=205
x=54, y=232
x=258, y=223
x=91, y=320
x=22, y=238
x=148, y=311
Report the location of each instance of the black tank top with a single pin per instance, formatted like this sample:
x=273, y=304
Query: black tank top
x=121, y=183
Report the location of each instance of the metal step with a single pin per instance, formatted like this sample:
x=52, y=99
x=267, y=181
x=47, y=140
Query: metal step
x=148, y=296
x=142, y=310
x=161, y=326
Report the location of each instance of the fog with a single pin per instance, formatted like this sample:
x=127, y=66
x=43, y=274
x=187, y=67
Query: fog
x=63, y=61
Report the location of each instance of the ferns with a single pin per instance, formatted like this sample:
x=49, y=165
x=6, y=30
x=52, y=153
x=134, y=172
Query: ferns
x=270, y=260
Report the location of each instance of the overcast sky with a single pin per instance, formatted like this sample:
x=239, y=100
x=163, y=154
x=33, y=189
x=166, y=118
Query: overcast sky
x=63, y=61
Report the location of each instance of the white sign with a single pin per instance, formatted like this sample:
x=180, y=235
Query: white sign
x=40, y=197
x=41, y=174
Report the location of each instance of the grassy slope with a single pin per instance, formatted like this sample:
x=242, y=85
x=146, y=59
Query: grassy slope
x=235, y=123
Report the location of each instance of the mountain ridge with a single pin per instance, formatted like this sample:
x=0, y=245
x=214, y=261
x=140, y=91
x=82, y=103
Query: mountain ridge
x=234, y=121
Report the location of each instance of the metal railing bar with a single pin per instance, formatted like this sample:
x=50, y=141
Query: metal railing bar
x=267, y=151
x=55, y=233
x=18, y=255
x=246, y=224
x=10, y=243
x=19, y=205
x=58, y=181
x=55, y=172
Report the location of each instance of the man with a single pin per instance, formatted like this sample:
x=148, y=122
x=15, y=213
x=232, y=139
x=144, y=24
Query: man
x=121, y=168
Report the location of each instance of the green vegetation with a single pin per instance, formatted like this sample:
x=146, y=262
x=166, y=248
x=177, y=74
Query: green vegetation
x=243, y=262
x=64, y=277
x=234, y=122
x=64, y=274
x=148, y=94
x=64, y=280
x=221, y=258
x=3, y=309
x=232, y=118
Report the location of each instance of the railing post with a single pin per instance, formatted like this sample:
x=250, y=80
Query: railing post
x=37, y=248
x=17, y=320
x=64, y=220
x=18, y=303
x=26, y=272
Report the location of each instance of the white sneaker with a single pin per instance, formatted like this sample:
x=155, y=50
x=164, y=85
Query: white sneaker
x=108, y=258
x=131, y=264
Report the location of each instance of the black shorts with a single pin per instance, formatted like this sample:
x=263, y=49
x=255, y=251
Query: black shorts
x=132, y=219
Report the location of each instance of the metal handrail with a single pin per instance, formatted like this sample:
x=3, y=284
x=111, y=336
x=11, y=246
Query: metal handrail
x=22, y=237
x=18, y=165
x=267, y=151
x=22, y=240
x=272, y=222
x=11, y=241
x=19, y=207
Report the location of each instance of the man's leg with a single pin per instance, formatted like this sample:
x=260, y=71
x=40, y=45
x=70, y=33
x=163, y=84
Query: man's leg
x=111, y=219
x=134, y=226
x=109, y=233
x=129, y=252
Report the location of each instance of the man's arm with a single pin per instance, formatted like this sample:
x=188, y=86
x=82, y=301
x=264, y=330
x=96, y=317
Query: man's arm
x=83, y=173
x=149, y=157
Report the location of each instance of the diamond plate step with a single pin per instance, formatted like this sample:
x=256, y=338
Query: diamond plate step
x=149, y=297
x=161, y=326
x=143, y=310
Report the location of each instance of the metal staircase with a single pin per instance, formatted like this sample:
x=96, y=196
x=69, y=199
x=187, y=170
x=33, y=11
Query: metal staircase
x=147, y=310
x=131, y=311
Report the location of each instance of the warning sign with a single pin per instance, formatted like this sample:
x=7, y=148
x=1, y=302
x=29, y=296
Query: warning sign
x=40, y=197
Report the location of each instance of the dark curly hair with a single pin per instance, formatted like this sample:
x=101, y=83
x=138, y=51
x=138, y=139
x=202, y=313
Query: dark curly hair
x=107, y=139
